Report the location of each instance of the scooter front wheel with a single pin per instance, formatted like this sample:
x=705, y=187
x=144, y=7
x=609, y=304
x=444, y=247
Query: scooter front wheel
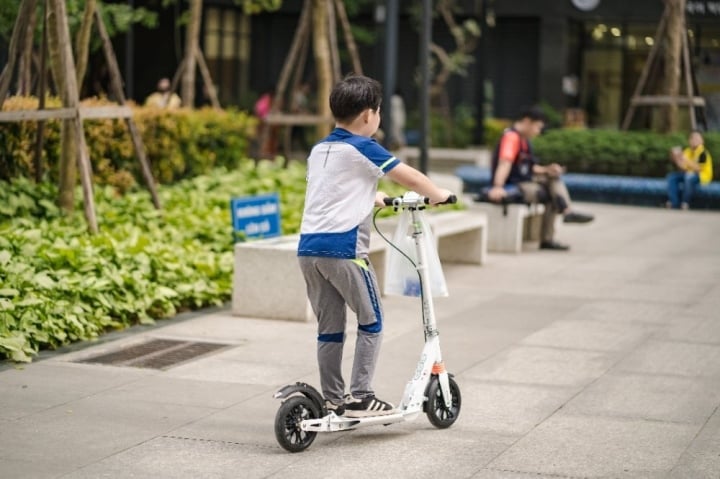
x=291, y=413
x=439, y=415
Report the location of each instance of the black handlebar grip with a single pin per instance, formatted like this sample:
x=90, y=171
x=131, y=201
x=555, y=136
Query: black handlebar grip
x=451, y=200
x=388, y=201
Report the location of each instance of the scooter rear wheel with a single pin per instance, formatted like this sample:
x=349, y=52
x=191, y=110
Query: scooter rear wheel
x=439, y=415
x=287, y=423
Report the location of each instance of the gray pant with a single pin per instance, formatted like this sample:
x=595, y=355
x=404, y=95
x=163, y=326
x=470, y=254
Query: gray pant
x=553, y=193
x=333, y=283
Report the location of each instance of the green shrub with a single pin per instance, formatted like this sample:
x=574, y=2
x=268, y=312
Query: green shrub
x=635, y=153
x=179, y=143
x=59, y=284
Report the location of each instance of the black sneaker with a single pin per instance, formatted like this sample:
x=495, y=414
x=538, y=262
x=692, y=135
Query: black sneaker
x=338, y=409
x=367, y=406
x=554, y=246
x=574, y=217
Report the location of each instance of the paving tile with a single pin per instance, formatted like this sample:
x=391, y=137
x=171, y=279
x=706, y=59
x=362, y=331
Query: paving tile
x=625, y=311
x=532, y=365
x=702, y=459
x=591, y=335
x=586, y=446
x=46, y=384
x=509, y=409
x=649, y=397
x=674, y=358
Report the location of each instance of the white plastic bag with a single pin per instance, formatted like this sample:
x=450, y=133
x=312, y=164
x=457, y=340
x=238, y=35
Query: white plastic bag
x=401, y=277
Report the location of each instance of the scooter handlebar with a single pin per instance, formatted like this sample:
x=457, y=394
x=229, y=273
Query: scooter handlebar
x=402, y=201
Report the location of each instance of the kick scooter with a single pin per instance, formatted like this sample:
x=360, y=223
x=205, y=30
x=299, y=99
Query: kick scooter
x=432, y=390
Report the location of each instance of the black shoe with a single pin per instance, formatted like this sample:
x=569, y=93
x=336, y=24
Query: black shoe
x=554, y=246
x=574, y=217
x=365, y=407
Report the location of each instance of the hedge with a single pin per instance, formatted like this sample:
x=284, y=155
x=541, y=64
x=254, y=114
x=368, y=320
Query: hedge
x=179, y=143
x=634, y=153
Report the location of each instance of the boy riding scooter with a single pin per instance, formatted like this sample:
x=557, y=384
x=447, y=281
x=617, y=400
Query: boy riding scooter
x=343, y=172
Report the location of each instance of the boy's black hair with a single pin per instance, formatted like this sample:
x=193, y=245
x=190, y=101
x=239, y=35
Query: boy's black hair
x=354, y=94
x=533, y=113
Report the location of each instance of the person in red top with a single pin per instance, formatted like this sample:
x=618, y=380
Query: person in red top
x=515, y=168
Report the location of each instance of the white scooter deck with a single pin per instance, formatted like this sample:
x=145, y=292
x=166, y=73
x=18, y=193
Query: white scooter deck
x=333, y=422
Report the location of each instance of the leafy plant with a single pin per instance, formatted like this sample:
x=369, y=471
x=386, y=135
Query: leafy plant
x=58, y=284
x=636, y=153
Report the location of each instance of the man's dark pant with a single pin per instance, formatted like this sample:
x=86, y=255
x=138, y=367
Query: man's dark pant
x=552, y=192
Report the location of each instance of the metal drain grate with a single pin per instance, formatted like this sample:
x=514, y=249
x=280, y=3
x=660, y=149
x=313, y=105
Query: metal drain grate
x=156, y=354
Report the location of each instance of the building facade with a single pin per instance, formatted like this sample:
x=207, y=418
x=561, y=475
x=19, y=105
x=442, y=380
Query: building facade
x=585, y=54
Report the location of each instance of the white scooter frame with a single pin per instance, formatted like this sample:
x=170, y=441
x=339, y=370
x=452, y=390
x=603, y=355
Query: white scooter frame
x=431, y=390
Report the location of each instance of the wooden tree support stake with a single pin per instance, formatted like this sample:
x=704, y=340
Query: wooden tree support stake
x=116, y=85
x=691, y=100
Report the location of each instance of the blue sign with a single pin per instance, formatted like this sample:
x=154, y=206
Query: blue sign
x=256, y=216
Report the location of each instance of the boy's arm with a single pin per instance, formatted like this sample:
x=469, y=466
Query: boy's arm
x=416, y=181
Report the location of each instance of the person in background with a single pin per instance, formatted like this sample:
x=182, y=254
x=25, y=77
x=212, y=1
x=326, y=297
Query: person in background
x=397, y=112
x=515, y=167
x=694, y=165
x=267, y=136
x=163, y=97
x=300, y=106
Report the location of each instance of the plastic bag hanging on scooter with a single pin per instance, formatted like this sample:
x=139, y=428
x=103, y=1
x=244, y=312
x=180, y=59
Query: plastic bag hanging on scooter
x=401, y=276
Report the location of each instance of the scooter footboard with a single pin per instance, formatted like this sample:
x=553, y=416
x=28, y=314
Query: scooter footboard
x=333, y=423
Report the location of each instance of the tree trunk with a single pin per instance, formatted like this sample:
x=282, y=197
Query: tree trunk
x=82, y=41
x=68, y=148
x=323, y=64
x=192, y=41
x=26, y=9
x=672, y=42
x=24, y=84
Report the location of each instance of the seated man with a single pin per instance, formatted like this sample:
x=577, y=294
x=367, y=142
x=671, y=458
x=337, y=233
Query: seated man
x=163, y=97
x=515, y=167
x=695, y=165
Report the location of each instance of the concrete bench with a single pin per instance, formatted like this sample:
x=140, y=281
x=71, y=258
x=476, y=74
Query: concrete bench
x=267, y=282
x=634, y=190
x=461, y=236
x=510, y=225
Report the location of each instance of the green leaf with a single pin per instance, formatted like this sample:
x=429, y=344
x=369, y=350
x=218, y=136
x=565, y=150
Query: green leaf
x=9, y=292
x=43, y=281
x=5, y=257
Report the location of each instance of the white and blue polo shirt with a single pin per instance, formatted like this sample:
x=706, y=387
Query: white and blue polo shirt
x=343, y=171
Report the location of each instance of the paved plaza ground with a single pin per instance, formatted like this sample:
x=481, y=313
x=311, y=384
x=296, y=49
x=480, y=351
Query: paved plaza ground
x=600, y=362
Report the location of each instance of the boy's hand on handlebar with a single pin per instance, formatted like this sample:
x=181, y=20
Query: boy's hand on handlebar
x=444, y=196
x=380, y=199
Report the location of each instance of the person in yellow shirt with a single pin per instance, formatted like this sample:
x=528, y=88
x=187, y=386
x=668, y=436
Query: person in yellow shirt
x=695, y=169
x=163, y=97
